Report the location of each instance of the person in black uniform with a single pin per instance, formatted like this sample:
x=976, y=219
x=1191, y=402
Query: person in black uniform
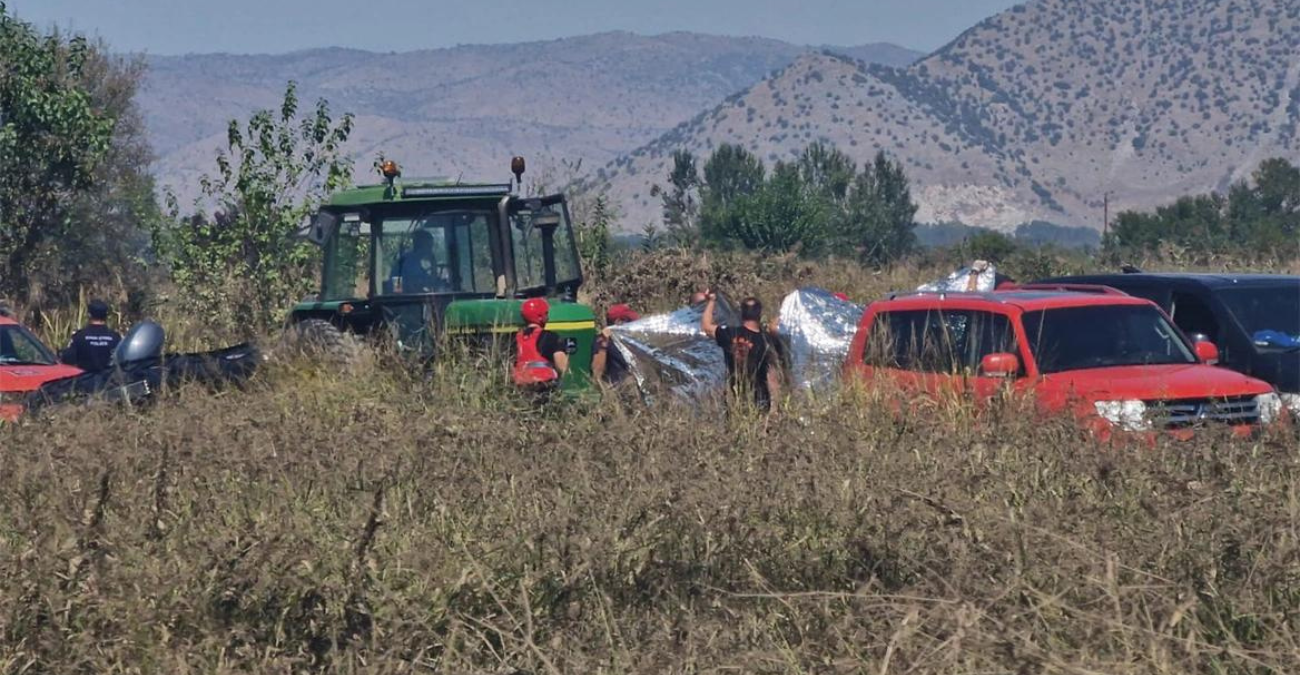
x=91, y=348
x=753, y=364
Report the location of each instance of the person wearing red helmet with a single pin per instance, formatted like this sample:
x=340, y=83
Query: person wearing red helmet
x=608, y=365
x=540, y=357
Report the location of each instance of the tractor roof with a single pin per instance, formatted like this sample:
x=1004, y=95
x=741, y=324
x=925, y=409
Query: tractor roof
x=419, y=191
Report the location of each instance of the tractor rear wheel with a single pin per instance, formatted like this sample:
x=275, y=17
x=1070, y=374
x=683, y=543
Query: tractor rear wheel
x=322, y=340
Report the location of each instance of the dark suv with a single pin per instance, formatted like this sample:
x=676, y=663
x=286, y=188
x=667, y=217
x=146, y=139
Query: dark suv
x=1253, y=318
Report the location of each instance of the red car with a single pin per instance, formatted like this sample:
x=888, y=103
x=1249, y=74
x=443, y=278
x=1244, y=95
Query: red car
x=25, y=364
x=1113, y=361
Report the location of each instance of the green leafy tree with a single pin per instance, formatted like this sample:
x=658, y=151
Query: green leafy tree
x=881, y=216
x=52, y=139
x=989, y=245
x=731, y=175
x=107, y=242
x=242, y=265
x=1197, y=223
x=784, y=214
x=1257, y=218
x=593, y=234
x=817, y=204
x=652, y=238
x=681, y=207
x=828, y=172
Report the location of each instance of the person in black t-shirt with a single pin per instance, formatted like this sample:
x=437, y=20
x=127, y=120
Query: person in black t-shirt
x=752, y=362
x=91, y=348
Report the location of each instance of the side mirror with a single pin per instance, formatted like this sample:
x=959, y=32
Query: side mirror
x=1000, y=365
x=321, y=227
x=1207, y=352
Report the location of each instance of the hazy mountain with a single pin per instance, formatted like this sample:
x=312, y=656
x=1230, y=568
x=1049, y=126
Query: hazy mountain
x=1034, y=113
x=465, y=111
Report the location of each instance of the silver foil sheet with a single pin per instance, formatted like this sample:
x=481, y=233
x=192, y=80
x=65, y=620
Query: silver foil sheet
x=816, y=329
x=668, y=354
x=980, y=277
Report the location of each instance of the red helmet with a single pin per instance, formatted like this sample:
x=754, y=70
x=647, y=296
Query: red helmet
x=535, y=310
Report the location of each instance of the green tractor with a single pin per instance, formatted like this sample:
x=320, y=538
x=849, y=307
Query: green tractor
x=416, y=261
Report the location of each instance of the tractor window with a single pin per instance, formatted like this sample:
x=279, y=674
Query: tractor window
x=530, y=268
x=527, y=242
x=443, y=252
x=345, y=270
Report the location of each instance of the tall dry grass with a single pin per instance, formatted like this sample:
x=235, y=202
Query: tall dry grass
x=428, y=520
x=432, y=522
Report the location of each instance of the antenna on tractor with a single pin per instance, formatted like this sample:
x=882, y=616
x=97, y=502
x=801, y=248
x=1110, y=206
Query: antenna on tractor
x=517, y=166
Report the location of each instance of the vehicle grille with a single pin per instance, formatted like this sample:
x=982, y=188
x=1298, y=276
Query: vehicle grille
x=1192, y=412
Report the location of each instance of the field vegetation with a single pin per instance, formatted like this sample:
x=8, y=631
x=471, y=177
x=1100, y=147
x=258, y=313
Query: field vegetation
x=386, y=518
x=408, y=520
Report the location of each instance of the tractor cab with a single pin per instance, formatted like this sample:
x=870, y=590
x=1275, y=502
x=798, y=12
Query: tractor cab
x=415, y=259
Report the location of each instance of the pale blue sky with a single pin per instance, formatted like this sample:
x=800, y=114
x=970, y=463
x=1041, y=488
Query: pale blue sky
x=244, y=26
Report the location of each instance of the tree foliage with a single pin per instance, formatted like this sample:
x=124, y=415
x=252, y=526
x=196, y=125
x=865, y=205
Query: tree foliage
x=593, y=234
x=247, y=254
x=108, y=241
x=53, y=139
x=1259, y=218
x=681, y=207
x=820, y=203
x=880, y=225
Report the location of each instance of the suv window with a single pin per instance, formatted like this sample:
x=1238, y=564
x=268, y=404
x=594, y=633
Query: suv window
x=1192, y=315
x=1259, y=309
x=938, y=341
x=1155, y=294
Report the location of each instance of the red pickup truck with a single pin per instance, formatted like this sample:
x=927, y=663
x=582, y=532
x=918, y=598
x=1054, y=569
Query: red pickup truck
x=25, y=364
x=1113, y=361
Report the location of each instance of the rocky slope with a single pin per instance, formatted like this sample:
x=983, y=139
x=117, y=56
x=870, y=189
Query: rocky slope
x=1035, y=113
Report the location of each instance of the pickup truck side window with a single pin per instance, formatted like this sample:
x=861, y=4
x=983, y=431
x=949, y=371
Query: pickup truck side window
x=935, y=341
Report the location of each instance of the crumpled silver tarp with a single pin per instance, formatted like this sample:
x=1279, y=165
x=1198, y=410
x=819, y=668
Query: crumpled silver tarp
x=816, y=329
x=980, y=277
x=669, y=354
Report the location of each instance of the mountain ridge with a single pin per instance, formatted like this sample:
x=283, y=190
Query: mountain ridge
x=460, y=110
x=1034, y=113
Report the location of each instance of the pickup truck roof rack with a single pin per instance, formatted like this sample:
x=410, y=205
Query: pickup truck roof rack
x=984, y=295
x=1000, y=297
x=1095, y=289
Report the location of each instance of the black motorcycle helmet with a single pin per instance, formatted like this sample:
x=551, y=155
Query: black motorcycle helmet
x=143, y=342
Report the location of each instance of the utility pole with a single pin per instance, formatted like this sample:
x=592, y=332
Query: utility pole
x=1105, y=215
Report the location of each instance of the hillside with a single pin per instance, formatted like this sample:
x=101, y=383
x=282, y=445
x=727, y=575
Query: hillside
x=466, y=110
x=1034, y=113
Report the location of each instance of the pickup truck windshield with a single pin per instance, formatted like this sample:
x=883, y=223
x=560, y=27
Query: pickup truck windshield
x=18, y=347
x=1103, y=336
x=1268, y=310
